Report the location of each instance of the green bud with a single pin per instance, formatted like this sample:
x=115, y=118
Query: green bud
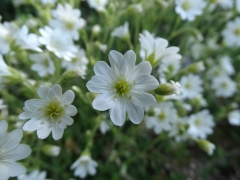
x=51, y=150
x=195, y=67
x=135, y=8
x=168, y=89
x=206, y=146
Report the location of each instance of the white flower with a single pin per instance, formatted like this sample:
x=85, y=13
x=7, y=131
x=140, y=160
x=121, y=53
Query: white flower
x=104, y=127
x=201, y=124
x=51, y=113
x=179, y=129
x=164, y=116
x=216, y=71
x=188, y=9
x=97, y=4
x=169, y=68
x=83, y=166
x=231, y=34
x=11, y=151
x=34, y=175
x=226, y=65
x=3, y=72
x=121, y=31
x=201, y=101
x=234, y=117
x=225, y=4
x=122, y=87
x=155, y=49
x=48, y=1
x=79, y=63
x=61, y=46
x=27, y=41
x=238, y=5
x=224, y=86
x=43, y=64
x=191, y=86
x=7, y=31
x=67, y=19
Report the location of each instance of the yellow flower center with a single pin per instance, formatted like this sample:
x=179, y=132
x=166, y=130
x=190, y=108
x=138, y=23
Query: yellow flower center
x=186, y=5
x=122, y=87
x=69, y=24
x=237, y=31
x=224, y=85
x=162, y=116
x=53, y=110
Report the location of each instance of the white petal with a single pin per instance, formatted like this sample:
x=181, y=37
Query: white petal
x=34, y=105
x=135, y=113
x=3, y=128
x=57, y=90
x=44, y=132
x=68, y=97
x=146, y=83
x=102, y=68
x=20, y=152
x=57, y=132
x=118, y=112
x=43, y=92
x=91, y=169
x=103, y=102
x=33, y=124
x=115, y=59
x=15, y=169
x=12, y=140
x=4, y=172
x=99, y=84
x=71, y=110
x=143, y=99
x=81, y=171
x=144, y=68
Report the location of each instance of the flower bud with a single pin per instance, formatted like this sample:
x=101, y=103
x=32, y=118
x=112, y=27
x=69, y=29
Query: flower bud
x=96, y=29
x=206, y=146
x=168, y=89
x=51, y=150
x=196, y=67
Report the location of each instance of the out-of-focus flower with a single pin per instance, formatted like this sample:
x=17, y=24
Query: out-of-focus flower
x=155, y=49
x=179, y=129
x=78, y=64
x=27, y=41
x=97, y=4
x=231, y=34
x=238, y=5
x=164, y=115
x=122, y=87
x=121, y=32
x=4, y=71
x=2, y=105
x=67, y=19
x=83, y=166
x=11, y=151
x=49, y=114
x=62, y=47
x=225, y=4
x=201, y=124
x=169, y=68
x=135, y=8
x=104, y=127
x=224, y=86
x=42, y=64
x=34, y=175
x=48, y=1
x=96, y=29
x=191, y=86
x=188, y=9
x=226, y=65
x=234, y=117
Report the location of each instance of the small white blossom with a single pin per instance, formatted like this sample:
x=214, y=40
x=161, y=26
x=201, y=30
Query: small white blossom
x=234, y=117
x=83, y=166
x=169, y=68
x=11, y=151
x=49, y=114
x=201, y=124
x=97, y=4
x=164, y=116
x=122, y=87
x=188, y=9
x=104, y=127
x=121, y=31
x=191, y=86
x=61, y=46
x=224, y=86
x=176, y=87
x=27, y=41
x=78, y=64
x=155, y=49
x=67, y=19
x=226, y=65
x=231, y=34
x=43, y=64
x=34, y=175
x=3, y=72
